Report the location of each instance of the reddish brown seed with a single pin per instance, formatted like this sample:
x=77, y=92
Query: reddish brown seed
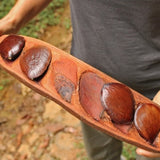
x=11, y=47
x=65, y=77
x=90, y=92
x=35, y=61
x=64, y=87
x=147, y=121
x=119, y=102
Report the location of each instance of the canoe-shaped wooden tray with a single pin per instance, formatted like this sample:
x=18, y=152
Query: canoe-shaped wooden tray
x=67, y=80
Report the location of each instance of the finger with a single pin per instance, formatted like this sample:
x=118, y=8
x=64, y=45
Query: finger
x=156, y=98
x=147, y=153
x=1, y=32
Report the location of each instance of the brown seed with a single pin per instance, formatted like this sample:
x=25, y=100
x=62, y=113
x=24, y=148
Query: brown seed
x=65, y=77
x=35, y=61
x=90, y=93
x=119, y=102
x=64, y=87
x=11, y=47
x=147, y=121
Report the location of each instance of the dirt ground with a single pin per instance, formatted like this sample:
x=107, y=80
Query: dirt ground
x=33, y=127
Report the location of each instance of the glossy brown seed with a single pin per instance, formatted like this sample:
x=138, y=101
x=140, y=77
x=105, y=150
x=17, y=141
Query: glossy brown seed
x=119, y=102
x=90, y=92
x=11, y=47
x=147, y=121
x=35, y=61
x=65, y=77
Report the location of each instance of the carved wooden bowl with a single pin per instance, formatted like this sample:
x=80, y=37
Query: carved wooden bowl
x=87, y=93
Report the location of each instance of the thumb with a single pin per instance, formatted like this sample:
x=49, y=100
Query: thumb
x=145, y=153
x=156, y=98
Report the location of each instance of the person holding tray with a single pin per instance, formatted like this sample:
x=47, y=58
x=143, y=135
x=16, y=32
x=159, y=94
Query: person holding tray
x=120, y=38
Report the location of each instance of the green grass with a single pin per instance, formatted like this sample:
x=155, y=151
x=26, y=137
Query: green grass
x=67, y=23
x=129, y=151
x=4, y=83
x=48, y=17
x=5, y=6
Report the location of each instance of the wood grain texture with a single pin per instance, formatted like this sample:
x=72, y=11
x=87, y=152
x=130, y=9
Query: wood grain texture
x=46, y=88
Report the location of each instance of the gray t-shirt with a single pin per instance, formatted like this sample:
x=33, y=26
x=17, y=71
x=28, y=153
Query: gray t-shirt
x=120, y=38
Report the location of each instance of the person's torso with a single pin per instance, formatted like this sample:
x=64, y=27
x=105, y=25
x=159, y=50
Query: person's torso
x=120, y=38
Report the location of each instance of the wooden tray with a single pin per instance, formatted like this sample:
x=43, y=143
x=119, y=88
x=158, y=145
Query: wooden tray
x=46, y=88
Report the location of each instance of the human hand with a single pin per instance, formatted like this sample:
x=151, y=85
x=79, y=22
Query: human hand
x=20, y=14
x=143, y=152
x=8, y=25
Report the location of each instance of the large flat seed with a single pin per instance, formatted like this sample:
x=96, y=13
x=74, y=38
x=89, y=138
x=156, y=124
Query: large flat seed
x=90, y=93
x=64, y=87
x=147, y=121
x=65, y=77
x=119, y=102
x=35, y=61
